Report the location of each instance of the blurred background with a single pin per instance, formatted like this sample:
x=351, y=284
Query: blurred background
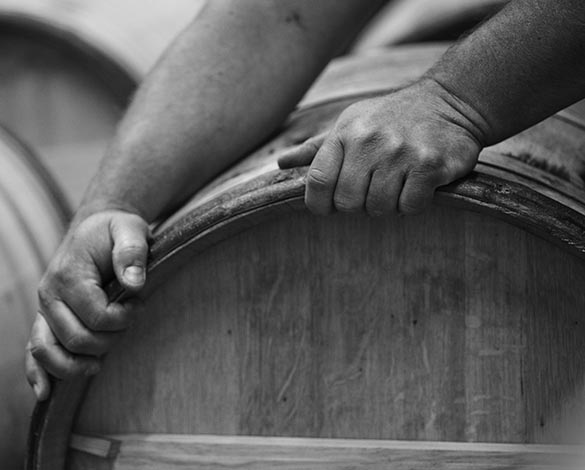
x=68, y=69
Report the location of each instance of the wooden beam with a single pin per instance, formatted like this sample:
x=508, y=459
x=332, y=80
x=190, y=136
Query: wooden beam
x=174, y=452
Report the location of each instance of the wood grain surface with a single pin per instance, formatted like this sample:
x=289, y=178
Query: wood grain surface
x=462, y=324
x=448, y=326
x=173, y=452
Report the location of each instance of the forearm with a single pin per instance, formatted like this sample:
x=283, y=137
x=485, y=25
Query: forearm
x=225, y=84
x=521, y=66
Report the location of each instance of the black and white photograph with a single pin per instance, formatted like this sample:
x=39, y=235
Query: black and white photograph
x=292, y=235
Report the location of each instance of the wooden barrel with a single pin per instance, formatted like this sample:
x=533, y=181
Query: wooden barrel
x=68, y=69
x=276, y=339
x=33, y=218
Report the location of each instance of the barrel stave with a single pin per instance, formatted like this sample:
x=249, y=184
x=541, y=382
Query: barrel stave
x=461, y=324
x=391, y=332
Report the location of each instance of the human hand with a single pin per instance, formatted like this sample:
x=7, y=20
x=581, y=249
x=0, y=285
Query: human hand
x=76, y=323
x=388, y=154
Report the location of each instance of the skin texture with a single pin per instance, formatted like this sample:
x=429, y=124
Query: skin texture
x=388, y=155
x=227, y=82
x=351, y=170
x=196, y=115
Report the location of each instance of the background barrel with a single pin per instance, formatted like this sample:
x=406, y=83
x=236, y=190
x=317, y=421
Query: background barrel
x=68, y=69
x=428, y=21
x=33, y=217
x=411, y=21
x=462, y=325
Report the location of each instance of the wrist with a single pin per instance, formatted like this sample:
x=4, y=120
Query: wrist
x=95, y=206
x=459, y=111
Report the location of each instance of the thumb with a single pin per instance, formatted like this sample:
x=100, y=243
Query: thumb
x=302, y=155
x=130, y=235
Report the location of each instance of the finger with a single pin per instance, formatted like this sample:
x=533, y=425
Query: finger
x=73, y=335
x=36, y=376
x=354, y=179
x=51, y=356
x=130, y=236
x=417, y=193
x=87, y=301
x=383, y=193
x=302, y=155
x=322, y=176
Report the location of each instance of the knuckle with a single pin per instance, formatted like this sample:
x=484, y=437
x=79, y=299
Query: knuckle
x=120, y=319
x=139, y=221
x=44, y=295
x=96, y=321
x=354, y=120
x=128, y=229
x=67, y=370
x=370, y=140
x=131, y=247
x=109, y=320
x=395, y=142
x=318, y=179
x=455, y=167
x=127, y=221
x=38, y=349
x=312, y=145
x=57, y=276
x=30, y=372
x=53, y=280
x=76, y=343
x=361, y=131
x=429, y=160
x=349, y=115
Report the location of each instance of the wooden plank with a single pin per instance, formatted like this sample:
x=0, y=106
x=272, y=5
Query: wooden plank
x=348, y=327
x=97, y=446
x=160, y=451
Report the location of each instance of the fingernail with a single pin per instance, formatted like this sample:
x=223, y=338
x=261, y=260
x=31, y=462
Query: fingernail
x=37, y=390
x=134, y=274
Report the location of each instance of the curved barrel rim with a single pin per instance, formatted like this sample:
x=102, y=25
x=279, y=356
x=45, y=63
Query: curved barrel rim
x=130, y=36
x=118, y=76
x=41, y=172
x=271, y=191
x=211, y=222
x=26, y=183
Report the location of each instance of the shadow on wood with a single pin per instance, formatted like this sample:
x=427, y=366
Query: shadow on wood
x=462, y=324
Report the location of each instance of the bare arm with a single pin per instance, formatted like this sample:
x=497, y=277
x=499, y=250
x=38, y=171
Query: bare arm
x=225, y=84
x=520, y=67
x=389, y=154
